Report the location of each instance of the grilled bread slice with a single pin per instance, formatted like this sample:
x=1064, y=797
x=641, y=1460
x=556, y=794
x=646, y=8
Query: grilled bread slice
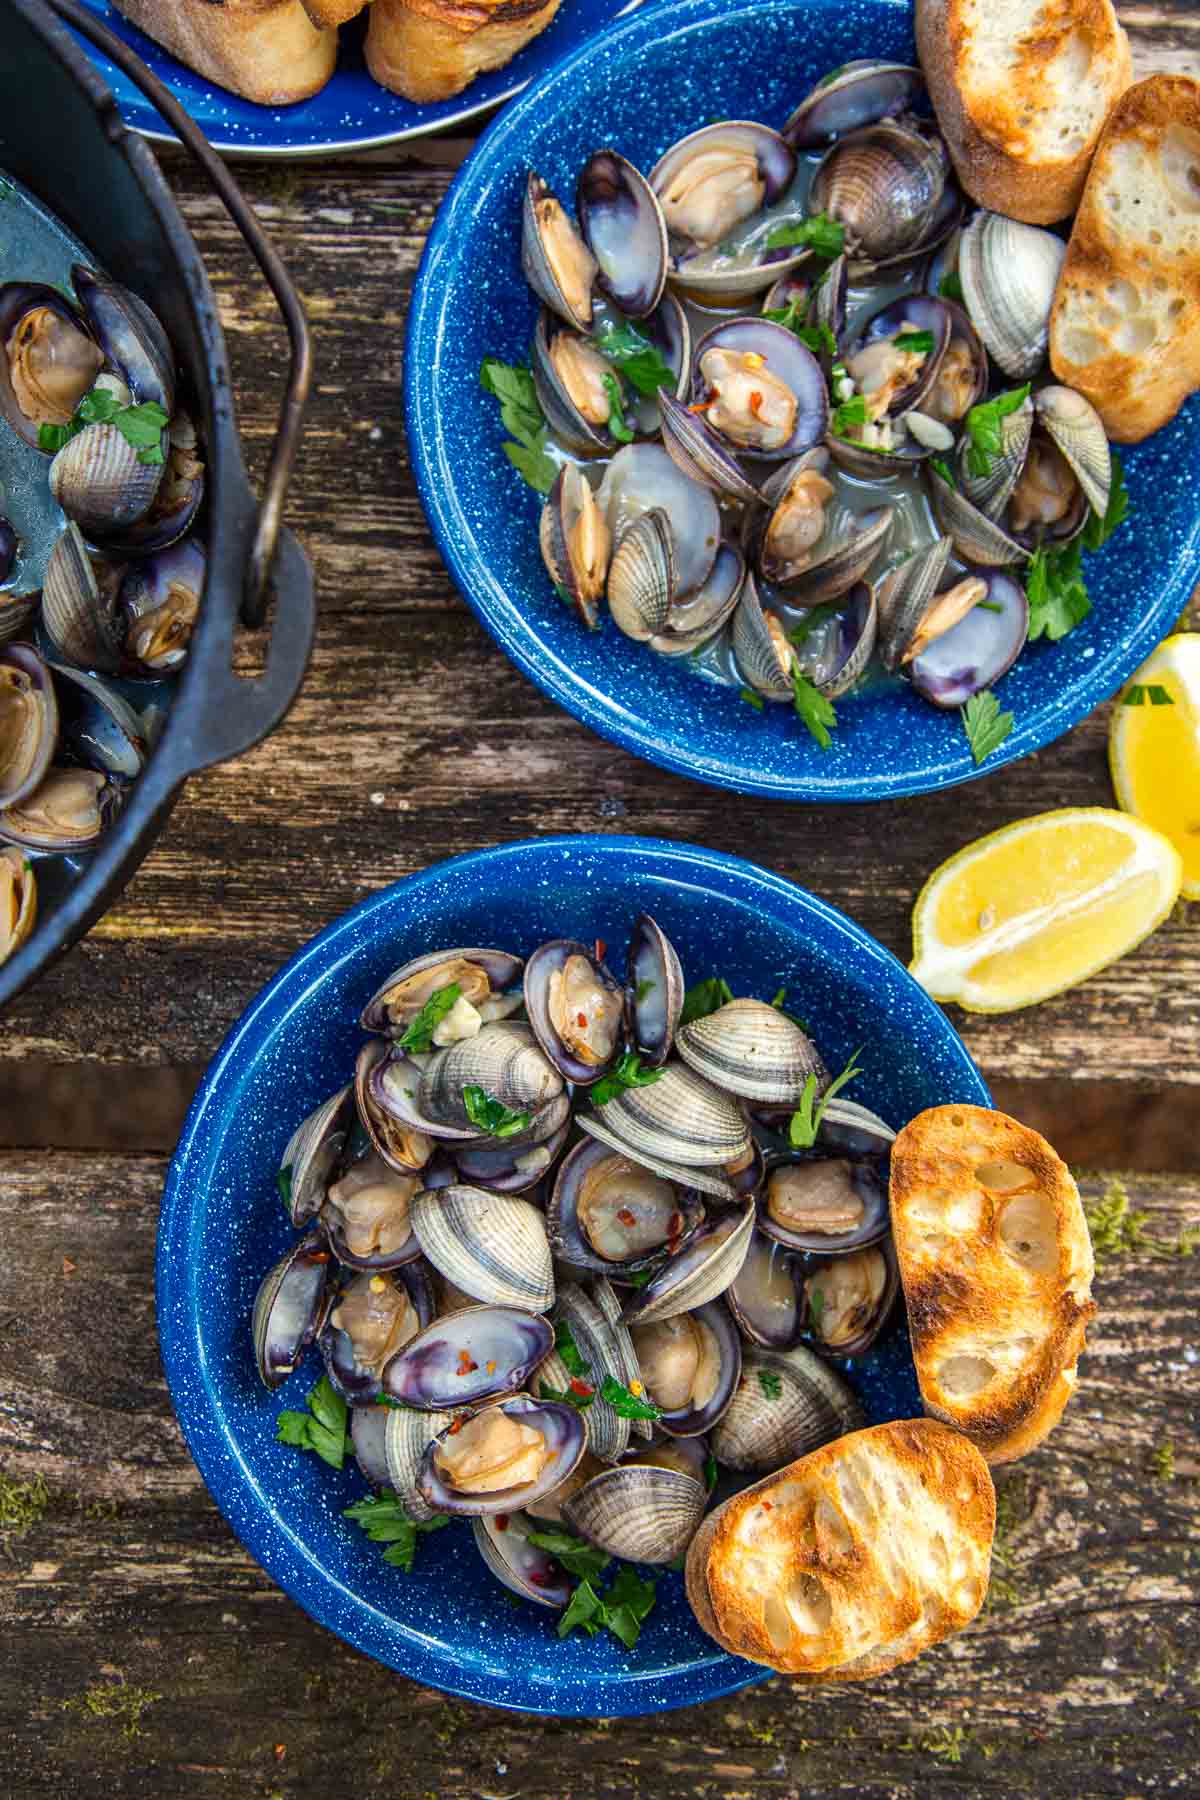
x=333, y=12
x=430, y=49
x=266, y=50
x=996, y=1263
x=1021, y=89
x=851, y=1560
x=1125, y=329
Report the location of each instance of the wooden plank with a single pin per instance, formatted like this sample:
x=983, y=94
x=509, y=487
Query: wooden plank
x=1079, y=1680
x=415, y=738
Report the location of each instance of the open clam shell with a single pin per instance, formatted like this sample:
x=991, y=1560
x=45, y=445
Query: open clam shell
x=492, y=1246
x=1009, y=273
x=177, y=502
x=97, y=725
x=28, y=723
x=991, y=492
x=516, y=1165
x=502, y=1540
x=79, y=605
x=884, y=183
x=18, y=901
x=100, y=481
x=824, y=1205
x=712, y=1181
x=596, y=1338
x=643, y=476
x=711, y=183
x=575, y=1009
x=368, y=1436
x=368, y=1322
x=604, y=1299
x=699, y=1272
x=480, y=975
x=639, y=1512
x=367, y=1212
x=563, y=1433
x=407, y=1437
x=696, y=618
x=16, y=612
x=130, y=335
x=503, y=1059
x=814, y=557
x=976, y=538
x=761, y=648
x=654, y=991
x=786, y=1404
x=612, y=1215
x=762, y=390
x=555, y=261
x=576, y=542
x=911, y=315
x=622, y=224
x=385, y=1086
x=836, y=655
x=904, y=596
x=848, y=1129
x=1078, y=430
x=689, y=1365
x=48, y=358
x=289, y=1308
x=849, y=1298
x=701, y=454
x=977, y=651
x=70, y=810
x=857, y=93
x=569, y=374
x=471, y=1356
x=641, y=577
x=765, y=1297
x=160, y=600
x=750, y=1048
x=963, y=373
x=681, y=1118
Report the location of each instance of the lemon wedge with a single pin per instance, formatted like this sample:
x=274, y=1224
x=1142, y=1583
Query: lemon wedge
x=1032, y=909
x=1154, y=751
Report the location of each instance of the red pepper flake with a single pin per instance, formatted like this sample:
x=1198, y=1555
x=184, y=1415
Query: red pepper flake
x=280, y=1752
x=537, y=1578
x=491, y=1367
x=756, y=401
x=457, y=1426
x=501, y=1521
x=319, y=1256
x=69, y=1267
x=601, y=947
x=674, y=1224
x=581, y=1018
x=579, y=1387
x=465, y=1365
x=626, y=1217
x=767, y=1506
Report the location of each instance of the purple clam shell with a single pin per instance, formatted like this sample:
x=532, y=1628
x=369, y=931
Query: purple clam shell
x=16, y=299
x=368, y=1432
x=357, y=1384
x=920, y=312
x=495, y=1165
x=694, y=1421
x=545, y=961
x=10, y=543
x=622, y=224
x=289, y=1307
x=27, y=660
x=523, y=1568
x=867, y=1175
x=147, y=584
x=130, y=335
x=564, y=1430
x=393, y=1082
x=871, y=1327
x=977, y=651
x=789, y=361
x=501, y=968
x=858, y=93
x=652, y=1012
x=779, y=1327
x=433, y=1372
x=776, y=159
x=702, y=455
x=567, y=1238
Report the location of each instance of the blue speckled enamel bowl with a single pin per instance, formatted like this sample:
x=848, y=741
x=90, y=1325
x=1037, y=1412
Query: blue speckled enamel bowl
x=449, y=1623
x=661, y=73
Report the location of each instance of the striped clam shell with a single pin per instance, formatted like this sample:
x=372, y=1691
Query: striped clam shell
x=408, y=1436
x=641, y=1513
x=492, y=1246
x=750, y=1048
x=503, y=1059
x=709, y=1264
x=682, y=1118
x=786, y=1404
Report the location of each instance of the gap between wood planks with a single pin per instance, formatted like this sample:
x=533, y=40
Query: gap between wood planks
x=81, y=1106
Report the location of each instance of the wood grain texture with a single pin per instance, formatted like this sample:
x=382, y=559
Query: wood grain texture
x=415, y=738
x=1080, y=1680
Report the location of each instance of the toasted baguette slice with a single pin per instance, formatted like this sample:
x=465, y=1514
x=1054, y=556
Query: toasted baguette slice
x=1125, y=329
x=266, y=50
x=851, y=1560
x=1021, y=89
x=430, y=49
x=333, y=12
x=996, y=1263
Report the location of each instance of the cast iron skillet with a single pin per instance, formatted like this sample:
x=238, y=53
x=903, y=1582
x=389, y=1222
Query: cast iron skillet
x=61, y=134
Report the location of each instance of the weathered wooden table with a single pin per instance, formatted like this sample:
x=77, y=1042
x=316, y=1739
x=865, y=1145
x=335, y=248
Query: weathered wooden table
x=142, y=1651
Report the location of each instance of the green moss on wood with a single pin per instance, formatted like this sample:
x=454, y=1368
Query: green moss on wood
x=116, y=1701
x=22, y=1504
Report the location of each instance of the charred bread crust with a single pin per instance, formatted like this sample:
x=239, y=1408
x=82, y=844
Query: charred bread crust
x=430, y=49
x=989, y=133
x=996, y=1272
x=333, y=12
x=268, y=51
x=853, y=1559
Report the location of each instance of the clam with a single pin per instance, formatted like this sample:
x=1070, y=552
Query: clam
x=28, y=723
x=556, y=262
x=605, y=1347
x=503, y=1060
x=696, y=618
x=849, y=1298
x=834, y=655
x=687, y=1455
x=100, y=481
x=750, y=1048
x=699, y=1272
x=371, y=1319
x=976, y=538
x=483, y=978
x=502, y=1540
x=641, y=477
x=160, y=600
x=604, y=1298
x=50, y=359
x=289, y=1308
x=385, y=1088
x=689, y=1364
x=368, y=1438
x=759, y=388
x=642, y=1513
x=609, y=1213
x=547, y=1508
x=824, y=1205
x=97, y=725
x=641, y=577
x=884, y=183
x=492, y=1246
x=711, y=186
x=1047, y=504
x=974, y=653
x=1009, y=273
x=989, y=490
x=912, y=603
x=513, y=1166
x=848, y=1129
x=801, y=548
x=892, y=365
x=962, y=375
x=574, y=386
x=711, y=1181
x=1077, y=429
x=177, y=501
x=18, y=902
x=857, y=93
x=312, y=1154
x=765, y=1297
x=785, y=1404
x=681, y=1118
x=367, y=1213
x=406, y=1438
x=622, y=223
x=576, y=542
x=69, y=811
x=762, y=649
x=473, y=1355
x=16, y=612
x=699, y=452
x=79, y=604
x=130, y=336
x=654, y=991
x=502, y=1458
x=576, y=1009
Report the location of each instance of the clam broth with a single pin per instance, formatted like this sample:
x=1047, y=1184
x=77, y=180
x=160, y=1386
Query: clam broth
x=36, y=247
x=913, y=526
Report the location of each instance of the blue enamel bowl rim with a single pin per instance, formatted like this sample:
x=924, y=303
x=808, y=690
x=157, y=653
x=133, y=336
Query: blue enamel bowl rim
x=268, y=1537
x=432, y=453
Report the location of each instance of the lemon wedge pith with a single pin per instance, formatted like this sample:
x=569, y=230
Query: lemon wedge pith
x=1039, y=906
x=1154, y=751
